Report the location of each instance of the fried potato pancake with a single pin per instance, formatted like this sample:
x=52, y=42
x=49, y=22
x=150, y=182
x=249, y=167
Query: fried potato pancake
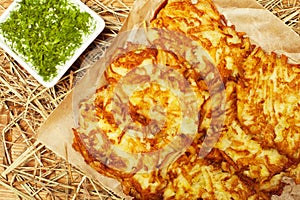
x=242, y=104
x=268, y=102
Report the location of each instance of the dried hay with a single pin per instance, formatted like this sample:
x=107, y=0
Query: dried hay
x=31, y=171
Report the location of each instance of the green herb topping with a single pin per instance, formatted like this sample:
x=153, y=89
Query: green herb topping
x=46, y=33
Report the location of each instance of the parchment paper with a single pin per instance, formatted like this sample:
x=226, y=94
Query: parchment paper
x=261, y=26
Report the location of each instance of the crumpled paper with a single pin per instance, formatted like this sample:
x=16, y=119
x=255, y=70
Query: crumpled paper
x=263, y=28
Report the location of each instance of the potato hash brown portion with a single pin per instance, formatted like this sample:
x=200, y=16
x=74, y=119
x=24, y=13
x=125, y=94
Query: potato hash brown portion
x=204, y=24
x=269, y=102
x=257, y=126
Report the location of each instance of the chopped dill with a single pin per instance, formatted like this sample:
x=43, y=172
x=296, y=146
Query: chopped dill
x=46, y=33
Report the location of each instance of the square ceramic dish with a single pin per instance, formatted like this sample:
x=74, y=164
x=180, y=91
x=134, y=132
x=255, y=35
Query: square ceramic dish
x=61, y=68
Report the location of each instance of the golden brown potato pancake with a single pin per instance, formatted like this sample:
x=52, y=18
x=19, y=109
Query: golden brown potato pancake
x=249, y=123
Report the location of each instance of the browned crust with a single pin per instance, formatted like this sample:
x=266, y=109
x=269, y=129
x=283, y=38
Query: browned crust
x=248, y=174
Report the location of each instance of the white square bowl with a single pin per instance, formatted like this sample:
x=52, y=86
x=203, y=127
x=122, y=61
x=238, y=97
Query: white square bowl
x=87, y=40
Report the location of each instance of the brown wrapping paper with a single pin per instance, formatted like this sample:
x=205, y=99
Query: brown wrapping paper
x=261, y=26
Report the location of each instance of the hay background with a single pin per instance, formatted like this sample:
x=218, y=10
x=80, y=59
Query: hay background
x=31, y=171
